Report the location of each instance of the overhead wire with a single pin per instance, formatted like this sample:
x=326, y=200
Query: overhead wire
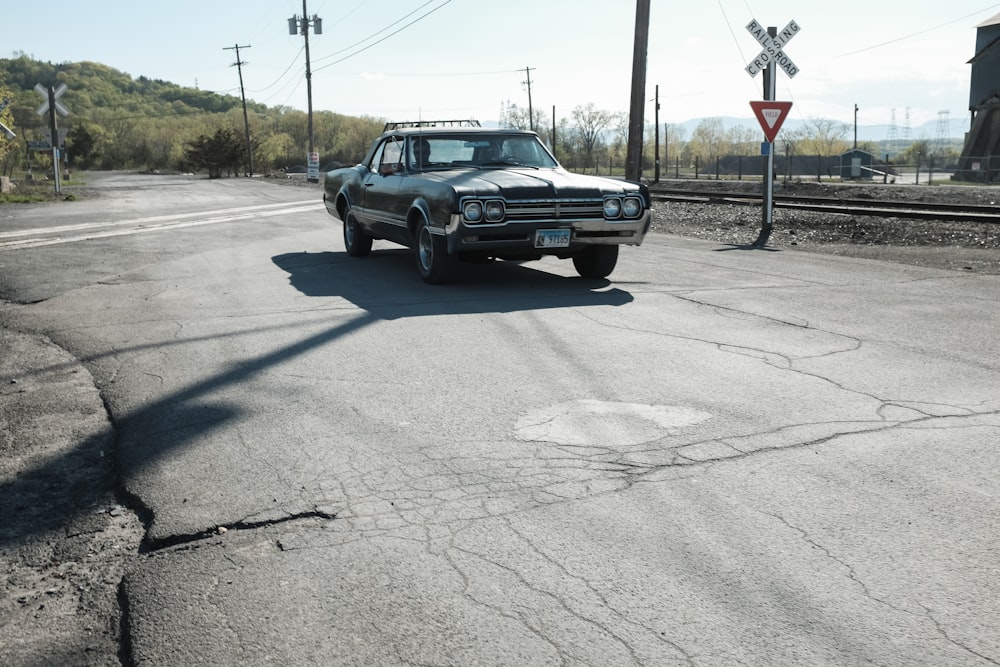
x=375, y=43
x=918, y=33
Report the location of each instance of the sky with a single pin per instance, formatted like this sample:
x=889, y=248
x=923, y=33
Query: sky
x=902, y=62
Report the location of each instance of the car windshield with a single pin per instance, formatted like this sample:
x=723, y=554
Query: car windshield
x=477, y=150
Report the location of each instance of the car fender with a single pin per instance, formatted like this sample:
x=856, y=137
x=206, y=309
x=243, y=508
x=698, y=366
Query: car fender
x=421, y=209
x=343, y=201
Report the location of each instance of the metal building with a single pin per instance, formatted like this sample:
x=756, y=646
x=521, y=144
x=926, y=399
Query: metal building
x=980, y=160
x=857, y=165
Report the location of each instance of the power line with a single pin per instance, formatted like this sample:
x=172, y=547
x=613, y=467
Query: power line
x=399, y=20
x=918, y=33
x=395, y=32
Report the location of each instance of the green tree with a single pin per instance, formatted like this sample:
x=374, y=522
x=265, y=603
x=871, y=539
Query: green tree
x=224, y=151
x=7, y=147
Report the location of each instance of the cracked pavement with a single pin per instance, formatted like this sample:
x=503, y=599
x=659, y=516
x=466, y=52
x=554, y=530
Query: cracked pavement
x=717, y=458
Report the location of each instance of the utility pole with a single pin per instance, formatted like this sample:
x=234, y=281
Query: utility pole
x=553, y=129
x=531, y=113
x=656, y=125
x=633, y=160
x=855, y=126
x=246, y=121
x=297, y=25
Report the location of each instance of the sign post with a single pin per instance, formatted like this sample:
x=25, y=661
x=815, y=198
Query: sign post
x=771, y=117
x=52, y=105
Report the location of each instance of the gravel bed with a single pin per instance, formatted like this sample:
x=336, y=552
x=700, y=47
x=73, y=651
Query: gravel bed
x=940, y=244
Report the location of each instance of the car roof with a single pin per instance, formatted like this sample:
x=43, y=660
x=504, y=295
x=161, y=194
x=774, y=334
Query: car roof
x=411, y=131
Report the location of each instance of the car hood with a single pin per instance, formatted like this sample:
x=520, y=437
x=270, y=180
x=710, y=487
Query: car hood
x=530, y=183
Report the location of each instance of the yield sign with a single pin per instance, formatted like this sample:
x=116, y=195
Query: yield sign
x=771, y=115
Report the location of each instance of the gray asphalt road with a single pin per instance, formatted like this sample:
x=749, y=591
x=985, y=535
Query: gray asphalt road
x=719, y=457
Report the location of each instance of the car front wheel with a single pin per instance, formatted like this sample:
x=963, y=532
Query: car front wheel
x=596, y=261
x=433, y=261
x=356, y=240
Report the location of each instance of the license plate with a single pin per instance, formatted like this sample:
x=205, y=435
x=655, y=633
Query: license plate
x=552, y=238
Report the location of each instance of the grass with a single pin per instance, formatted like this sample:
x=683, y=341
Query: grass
x=33, y=192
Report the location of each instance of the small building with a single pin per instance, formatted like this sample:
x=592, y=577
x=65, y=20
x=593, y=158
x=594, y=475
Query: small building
x=856, y=165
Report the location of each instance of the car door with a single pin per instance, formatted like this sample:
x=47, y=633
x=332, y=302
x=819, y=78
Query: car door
x=381, y=199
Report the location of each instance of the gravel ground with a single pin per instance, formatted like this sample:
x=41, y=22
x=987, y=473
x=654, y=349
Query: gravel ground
x=970, y=247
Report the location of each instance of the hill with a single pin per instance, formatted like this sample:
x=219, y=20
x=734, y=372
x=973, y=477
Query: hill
x=93, y=86
x=120, y=122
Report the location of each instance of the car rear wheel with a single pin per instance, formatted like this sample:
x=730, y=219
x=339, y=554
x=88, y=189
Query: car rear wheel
x=596, y=261
x=433, y=261
x=356, y=240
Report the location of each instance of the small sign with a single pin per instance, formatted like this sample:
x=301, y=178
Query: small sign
x=39, y=146
x=47, y=133
x=771, y=115
x=773, y=48
x=56, y=94
x=312, y=170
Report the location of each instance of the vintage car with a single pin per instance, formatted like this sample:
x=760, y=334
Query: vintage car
x=455, y=193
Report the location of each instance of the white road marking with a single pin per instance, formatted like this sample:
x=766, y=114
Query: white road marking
x=43, y=236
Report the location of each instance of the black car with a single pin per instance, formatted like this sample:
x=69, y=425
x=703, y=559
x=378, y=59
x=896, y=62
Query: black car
x=469, y=193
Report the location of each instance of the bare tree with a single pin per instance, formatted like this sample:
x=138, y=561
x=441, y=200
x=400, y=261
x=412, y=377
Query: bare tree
x=741, y=140
x=590, y=123
x=823, y=136
x=708, y=140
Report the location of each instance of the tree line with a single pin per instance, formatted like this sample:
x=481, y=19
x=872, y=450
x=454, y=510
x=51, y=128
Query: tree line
x=595, y=139
x=121, y=122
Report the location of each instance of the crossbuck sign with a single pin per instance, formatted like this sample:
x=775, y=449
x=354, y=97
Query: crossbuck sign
x=773, y=48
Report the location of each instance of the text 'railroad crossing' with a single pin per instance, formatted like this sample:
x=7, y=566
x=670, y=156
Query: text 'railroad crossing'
x=773, y=48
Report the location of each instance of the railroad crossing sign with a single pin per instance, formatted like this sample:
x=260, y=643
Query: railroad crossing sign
x=56, y=94
x=773, y=48
x=771, y=115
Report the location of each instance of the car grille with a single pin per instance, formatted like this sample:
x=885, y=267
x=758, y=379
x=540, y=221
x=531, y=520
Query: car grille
x=539, y=211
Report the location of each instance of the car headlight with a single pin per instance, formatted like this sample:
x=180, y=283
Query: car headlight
x=494, y=210
x=632, y=207
x=612, y=208
x=473, y=211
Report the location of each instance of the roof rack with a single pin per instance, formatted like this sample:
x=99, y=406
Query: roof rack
x=430, y=123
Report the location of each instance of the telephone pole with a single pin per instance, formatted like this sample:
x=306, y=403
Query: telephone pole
x=300, y=25
x=633, y=159
x=656, y=126
x=246, y=121
x=531, y=113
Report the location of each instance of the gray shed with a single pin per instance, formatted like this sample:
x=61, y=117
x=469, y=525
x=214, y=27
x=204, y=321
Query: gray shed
x=856, y=164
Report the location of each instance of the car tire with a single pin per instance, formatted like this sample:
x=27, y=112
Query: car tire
x=596, y=261
x=356, y=240
x=434, y=263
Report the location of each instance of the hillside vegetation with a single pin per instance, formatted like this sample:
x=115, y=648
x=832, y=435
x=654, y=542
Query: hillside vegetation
x=120, y=122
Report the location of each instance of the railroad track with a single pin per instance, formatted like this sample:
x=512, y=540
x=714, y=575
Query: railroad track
x=889, y=209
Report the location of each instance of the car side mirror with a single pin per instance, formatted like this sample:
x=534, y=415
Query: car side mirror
x=387, y=169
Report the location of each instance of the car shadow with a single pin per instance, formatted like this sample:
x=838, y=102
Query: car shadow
x=386, y=285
